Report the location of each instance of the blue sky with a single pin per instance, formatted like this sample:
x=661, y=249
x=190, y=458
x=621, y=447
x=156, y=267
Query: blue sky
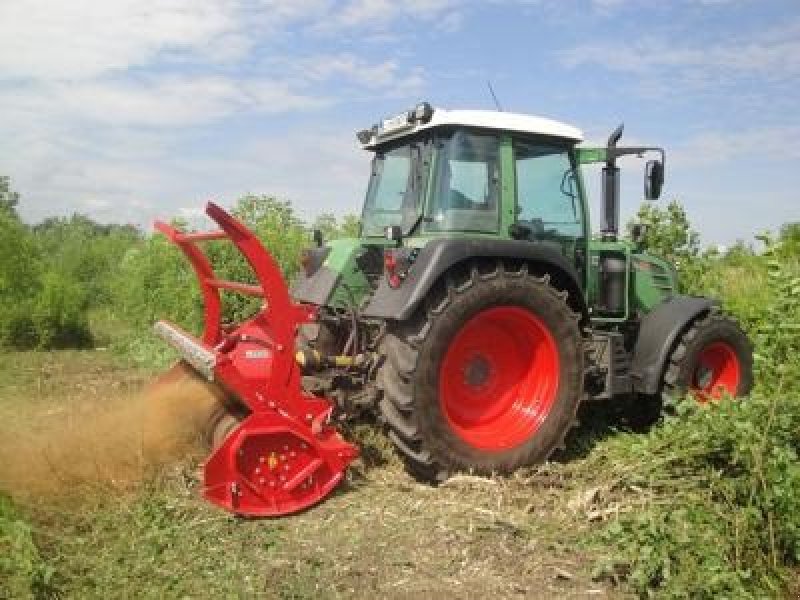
x=131, y=109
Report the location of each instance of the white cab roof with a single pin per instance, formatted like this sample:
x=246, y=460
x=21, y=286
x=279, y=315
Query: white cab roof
x=490, y=119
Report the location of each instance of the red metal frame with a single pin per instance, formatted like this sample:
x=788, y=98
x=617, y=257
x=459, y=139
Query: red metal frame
x=285, y=456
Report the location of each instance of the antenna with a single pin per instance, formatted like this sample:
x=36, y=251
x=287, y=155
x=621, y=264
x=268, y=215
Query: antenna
x=494, y=96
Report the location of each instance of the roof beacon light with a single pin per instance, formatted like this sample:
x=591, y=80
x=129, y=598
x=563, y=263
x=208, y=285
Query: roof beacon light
x=423, y=112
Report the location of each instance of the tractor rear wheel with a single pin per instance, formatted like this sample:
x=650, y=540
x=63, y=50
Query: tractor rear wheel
x=712, y=358
x=486, y=378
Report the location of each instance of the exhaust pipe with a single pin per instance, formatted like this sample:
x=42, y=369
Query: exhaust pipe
x=611, y=188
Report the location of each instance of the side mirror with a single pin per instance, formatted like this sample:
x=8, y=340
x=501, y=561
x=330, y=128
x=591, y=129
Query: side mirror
x=393, y=233
x=317, y=237
x=653, y=179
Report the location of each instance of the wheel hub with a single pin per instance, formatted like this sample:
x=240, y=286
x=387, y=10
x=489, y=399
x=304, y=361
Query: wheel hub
x=499, y=378
x=477, y=371
x=717, y=372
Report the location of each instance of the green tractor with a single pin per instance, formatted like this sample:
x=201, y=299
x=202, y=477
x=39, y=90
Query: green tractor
x=489, y=309
x=472, y=316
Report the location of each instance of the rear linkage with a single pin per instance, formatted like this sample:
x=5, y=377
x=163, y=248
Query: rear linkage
x=285, y=455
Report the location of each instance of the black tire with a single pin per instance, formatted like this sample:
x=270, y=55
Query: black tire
x=715, y=328
x=414, y=351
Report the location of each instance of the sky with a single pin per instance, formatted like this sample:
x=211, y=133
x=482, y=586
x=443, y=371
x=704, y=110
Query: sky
x=128, y=110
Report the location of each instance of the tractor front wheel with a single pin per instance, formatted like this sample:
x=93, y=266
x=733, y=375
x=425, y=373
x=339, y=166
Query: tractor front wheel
x=486, y=378
x=713, y=358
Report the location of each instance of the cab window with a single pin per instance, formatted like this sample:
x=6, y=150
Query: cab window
x=548, y=199
x=467, y=188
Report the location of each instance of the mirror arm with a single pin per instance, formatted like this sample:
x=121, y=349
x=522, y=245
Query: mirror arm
x=612, y=154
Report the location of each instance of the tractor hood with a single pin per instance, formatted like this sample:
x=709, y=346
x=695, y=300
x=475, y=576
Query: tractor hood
x=336, y=274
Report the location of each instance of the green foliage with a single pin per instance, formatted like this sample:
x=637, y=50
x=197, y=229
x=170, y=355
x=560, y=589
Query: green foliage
x=154, y=281
x=20, y=272
x=51, y=275
x=47, y=283
x=59, y=313
x=669, y=235
x=23, y=573
x=721, y=482
x=331, y=228
x=54, y=275
x=85, y=252
x=723, y=516
x=8, y=198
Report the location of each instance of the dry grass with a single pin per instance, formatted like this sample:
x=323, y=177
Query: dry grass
x=81, y=442
x=381, y=534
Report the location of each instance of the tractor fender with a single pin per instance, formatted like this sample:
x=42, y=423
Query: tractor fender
x=658, y=334
x=439, y=255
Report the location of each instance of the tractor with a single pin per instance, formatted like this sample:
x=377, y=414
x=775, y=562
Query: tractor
x=472, y=316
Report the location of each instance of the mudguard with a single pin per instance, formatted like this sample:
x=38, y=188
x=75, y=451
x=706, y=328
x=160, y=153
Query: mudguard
x=441, y=254
x=658, y=334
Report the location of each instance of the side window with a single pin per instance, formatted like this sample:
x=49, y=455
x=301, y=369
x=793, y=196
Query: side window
x=466, y=195
x=547, y=193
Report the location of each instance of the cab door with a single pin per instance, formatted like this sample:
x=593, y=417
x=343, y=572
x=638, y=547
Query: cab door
x=549, y=200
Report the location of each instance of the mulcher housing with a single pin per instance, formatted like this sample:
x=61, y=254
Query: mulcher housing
x=472, y=315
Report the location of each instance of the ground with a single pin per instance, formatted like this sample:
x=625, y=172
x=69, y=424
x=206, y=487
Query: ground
x=111, y=522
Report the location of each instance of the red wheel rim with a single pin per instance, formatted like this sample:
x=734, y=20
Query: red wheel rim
x=499, y=378
x=717, y=372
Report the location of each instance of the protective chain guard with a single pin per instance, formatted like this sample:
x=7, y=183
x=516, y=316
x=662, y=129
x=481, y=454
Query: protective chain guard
x=285, y=456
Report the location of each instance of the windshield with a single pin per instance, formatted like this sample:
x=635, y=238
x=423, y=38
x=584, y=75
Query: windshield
x=394, y=187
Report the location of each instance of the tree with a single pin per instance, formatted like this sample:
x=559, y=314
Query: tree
x=8, y=198
x=790, y=237
x=332, y=228
x=669, y=233
x=351, y=226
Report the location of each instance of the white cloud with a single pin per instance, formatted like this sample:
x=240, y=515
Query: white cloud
x=101, y=100
x=348, y=67
x=388, y=14
x=167, y=101
x=771, y=54
x=79, y=39
x=762, y=144
x=321, y=172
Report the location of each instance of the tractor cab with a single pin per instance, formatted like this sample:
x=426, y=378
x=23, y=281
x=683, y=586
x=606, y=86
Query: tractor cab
x=438, y=172
x=494, y=178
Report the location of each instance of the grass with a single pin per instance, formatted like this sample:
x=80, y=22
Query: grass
x=669, y=512
x=380, y=535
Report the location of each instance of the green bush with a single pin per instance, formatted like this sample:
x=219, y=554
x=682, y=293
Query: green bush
x=42, y=305
x=19, y=282
x=155, y=281
x=23, y=573
x=56, y=274
x=721, y=483
x=60, y=317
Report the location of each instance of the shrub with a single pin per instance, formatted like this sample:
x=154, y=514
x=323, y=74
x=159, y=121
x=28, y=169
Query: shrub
x=60, y=316
x=23, y=573
x=721, y=515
